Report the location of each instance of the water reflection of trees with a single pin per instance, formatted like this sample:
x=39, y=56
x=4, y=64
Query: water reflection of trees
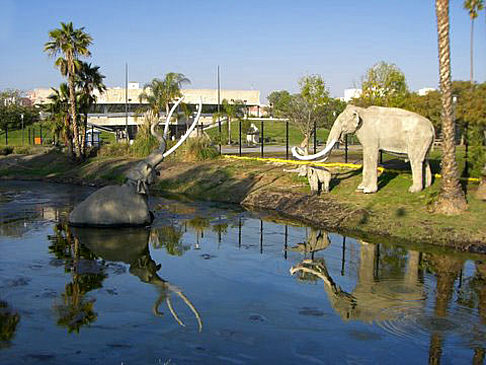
x=75, y=310
x=9, y=319
x=170, y=238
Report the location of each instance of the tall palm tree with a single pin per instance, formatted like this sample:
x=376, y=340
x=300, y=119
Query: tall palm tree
x=71, y=43
x=473, y=7
x=451, y=197
x=88, y=80
x=160, y=93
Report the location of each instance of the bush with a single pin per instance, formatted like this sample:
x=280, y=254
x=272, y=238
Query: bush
x=23, y=150
x=144, y=145
x=477, y=157
x=198, y=149
x=6, y=150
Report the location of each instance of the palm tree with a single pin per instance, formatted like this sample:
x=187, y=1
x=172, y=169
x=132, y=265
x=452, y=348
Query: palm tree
x=59, y=111
x=473, y=7
x=230, y=111
x=88, y=80
x=160, y=93
x=71, y=43
x=451, y=197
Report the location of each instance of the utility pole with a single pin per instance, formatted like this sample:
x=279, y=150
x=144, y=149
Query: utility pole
x=126, y=101
x=219, y=116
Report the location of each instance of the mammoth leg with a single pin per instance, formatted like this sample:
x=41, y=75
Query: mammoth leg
x=313, y=181
x=428, y=174
x=417, y=175
x=370, y=176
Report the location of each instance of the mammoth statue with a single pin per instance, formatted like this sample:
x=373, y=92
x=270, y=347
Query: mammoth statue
x=396, y=131
x=127, y=204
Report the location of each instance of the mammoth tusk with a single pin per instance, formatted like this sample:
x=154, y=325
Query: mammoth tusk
x=167, y=120
x=189, y=131
x=296, y=152
x=174, y=314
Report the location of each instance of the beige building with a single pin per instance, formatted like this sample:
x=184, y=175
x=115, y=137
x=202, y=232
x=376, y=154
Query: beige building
x=118, y=106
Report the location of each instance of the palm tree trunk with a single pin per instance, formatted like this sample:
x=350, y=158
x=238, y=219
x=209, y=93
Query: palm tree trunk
x=72, y=102
x=68, y=137
x=83, y=135
x=451, y=197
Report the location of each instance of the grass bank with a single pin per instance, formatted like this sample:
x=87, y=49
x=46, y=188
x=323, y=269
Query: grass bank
x=392, y=213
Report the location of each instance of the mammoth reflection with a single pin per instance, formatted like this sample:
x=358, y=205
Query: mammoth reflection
x=131, y=247
x=84, y=252
x=371, y=296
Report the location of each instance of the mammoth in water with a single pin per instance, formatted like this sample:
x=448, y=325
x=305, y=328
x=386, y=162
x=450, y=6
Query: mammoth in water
x=396, y=131
x=127, y=204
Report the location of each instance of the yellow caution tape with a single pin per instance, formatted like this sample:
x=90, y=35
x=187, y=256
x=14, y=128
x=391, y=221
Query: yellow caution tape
x=330, y=164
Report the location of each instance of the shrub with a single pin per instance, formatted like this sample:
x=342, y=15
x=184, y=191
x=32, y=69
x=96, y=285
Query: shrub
x=6, y=150
x=477, y=157
x=198, y=149
x=144, y=144
x=23, y=150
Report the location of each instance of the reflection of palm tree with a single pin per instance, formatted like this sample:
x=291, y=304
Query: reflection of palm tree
x=446, y=270
x=8, y=323
x=75, y=310
x=221, y=229
x=170, y=237
x=199, y=224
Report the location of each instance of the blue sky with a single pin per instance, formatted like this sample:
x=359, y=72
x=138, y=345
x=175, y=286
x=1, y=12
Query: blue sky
x=265, y=45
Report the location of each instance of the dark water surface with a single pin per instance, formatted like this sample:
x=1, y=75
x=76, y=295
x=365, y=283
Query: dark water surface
x=214, y=284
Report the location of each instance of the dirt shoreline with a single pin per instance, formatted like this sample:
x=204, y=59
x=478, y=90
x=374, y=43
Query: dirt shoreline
x=266, y=187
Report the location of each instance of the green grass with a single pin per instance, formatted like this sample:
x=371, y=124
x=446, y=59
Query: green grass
x=273, y=131
x=15, y=136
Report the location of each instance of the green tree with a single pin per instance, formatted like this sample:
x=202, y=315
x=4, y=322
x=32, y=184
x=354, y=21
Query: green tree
x=383, y=85
x=12, y=108
x=310, y=107
x=279, y=102
x=473, y=7
x=71, y=43
x=451, y=197
x=88, y=80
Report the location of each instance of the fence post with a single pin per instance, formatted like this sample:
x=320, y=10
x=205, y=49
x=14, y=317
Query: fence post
x=6, y=135
x=263, y=138
x=220, y=137
x=33, y=136
x=346, y=148
x=92, y=136
x=287, y=140
x=28, y=139
x=41, y=141
x=240, y=136
x=315, y=138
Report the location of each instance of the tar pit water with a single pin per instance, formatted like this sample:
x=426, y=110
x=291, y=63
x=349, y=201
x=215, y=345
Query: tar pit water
x=209, y=283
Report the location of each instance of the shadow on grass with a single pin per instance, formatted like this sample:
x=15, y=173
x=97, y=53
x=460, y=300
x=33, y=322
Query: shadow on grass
x=337, y=178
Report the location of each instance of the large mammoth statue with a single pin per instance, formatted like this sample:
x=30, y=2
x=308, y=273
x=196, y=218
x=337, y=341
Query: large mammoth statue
x=397, y=131
x=127, y=204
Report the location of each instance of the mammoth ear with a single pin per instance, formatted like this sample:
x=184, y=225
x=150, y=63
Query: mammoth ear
x=357, y=119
